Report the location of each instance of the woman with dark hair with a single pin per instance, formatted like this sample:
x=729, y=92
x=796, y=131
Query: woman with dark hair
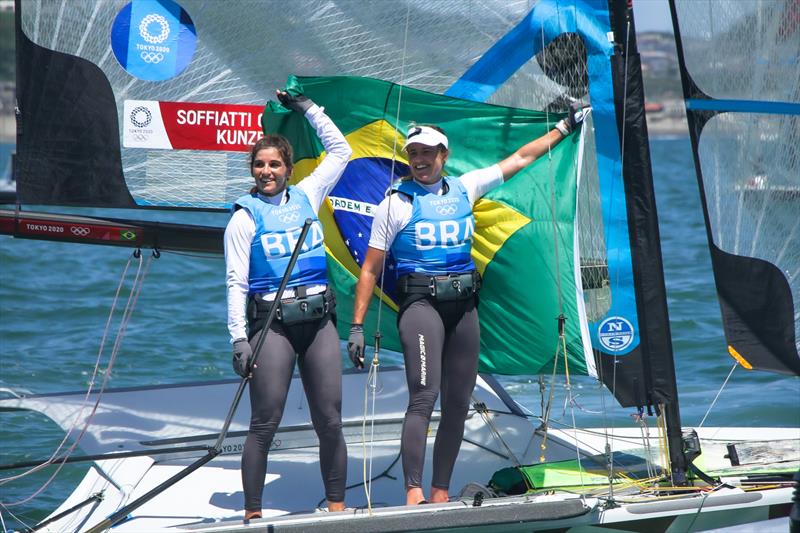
x=426, y=221
x=259, y=241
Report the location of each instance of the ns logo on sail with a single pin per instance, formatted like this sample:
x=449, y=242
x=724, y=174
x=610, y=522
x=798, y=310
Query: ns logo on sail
x=615, y=333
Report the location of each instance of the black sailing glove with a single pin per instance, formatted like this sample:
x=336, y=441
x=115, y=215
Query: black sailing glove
x=577, y=113
x=298, y=103
x=242, y=354
x=355, y=345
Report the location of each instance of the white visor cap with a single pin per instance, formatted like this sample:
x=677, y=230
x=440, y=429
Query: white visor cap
x=425, y=135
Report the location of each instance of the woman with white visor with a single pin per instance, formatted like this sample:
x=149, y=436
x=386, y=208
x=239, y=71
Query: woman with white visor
x=428, y=227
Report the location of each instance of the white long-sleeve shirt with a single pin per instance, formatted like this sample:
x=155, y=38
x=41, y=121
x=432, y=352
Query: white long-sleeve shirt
x=241, y=228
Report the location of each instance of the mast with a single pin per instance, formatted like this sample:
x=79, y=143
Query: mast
x=648, y=270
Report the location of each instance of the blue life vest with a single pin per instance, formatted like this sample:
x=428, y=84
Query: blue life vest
x=438, y=238
x=277, y=230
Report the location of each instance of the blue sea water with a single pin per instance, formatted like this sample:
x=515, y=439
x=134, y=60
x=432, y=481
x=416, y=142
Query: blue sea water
x=55, y=299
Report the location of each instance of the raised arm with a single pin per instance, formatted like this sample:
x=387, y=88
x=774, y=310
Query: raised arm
x=530, y=152
x=337, y=152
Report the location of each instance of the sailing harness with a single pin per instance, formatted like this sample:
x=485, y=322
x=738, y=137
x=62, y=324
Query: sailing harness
x=442, y=288
x=303, y=307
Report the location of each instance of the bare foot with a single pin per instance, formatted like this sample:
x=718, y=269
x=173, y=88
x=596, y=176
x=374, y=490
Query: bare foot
x=414, y=495
x=335, y=506
x=252, y=515
x=439, y=495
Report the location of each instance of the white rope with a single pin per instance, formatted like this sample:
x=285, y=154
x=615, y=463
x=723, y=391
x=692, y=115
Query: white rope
x=141, y=273
x=486, y=416
x=710, y=407
x=15, y=517
x=645, y=432
x=367, y=465
x=372, y=377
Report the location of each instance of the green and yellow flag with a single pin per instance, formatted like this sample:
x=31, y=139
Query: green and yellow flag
x=524, y=243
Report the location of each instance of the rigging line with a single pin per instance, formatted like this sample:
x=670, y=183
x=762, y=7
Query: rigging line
x=699, y=510
x=662, y=435
x=367, y=465
x=141, y=273
x=572, y=406
x=481, y=408
x=15, y=517
x=644, y=430
x=392, y=170
x=710, y=407
x=374, y=386
x=372, y=378
x=58, y=449
x=546, y=412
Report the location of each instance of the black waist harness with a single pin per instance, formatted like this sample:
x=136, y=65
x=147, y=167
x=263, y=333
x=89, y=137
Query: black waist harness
x=444, y=288
x=302, y=308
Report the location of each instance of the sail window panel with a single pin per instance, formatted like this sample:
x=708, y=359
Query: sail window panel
x=557, y=75
x=743, y=50
x=70, y=27
x=164, y=179
x=751, y=177
x=595, y=282
x=247, y=47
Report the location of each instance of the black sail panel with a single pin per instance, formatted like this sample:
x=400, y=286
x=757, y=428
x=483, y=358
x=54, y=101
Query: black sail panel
x=67, y=131
x=757, y=311
x=738, y=63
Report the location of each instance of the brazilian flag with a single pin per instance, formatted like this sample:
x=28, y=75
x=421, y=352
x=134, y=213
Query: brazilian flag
x=524, y=244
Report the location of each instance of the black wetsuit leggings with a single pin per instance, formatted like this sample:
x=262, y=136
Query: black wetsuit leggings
x=440, y=346
x=315, y=346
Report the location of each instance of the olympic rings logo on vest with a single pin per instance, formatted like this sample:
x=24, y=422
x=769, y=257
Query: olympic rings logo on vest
x=446, y=210
x=293, y=216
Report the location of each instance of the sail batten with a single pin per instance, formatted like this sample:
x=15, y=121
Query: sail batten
x=744, y=106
